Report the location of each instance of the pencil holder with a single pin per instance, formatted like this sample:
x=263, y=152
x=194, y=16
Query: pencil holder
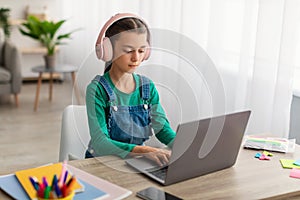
x=69, y=197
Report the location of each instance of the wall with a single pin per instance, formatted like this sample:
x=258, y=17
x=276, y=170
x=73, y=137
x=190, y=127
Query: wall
x=18, y=10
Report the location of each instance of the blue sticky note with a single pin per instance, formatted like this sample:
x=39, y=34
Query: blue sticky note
x=257, y=155
x=297, y=162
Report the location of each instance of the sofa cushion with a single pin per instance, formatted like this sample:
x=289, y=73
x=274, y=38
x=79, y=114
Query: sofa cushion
x=4, y=75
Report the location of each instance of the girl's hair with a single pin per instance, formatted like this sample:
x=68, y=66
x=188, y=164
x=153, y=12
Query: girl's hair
x=130, y=24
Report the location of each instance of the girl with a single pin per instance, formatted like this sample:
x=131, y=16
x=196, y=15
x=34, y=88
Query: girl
x=123, y=107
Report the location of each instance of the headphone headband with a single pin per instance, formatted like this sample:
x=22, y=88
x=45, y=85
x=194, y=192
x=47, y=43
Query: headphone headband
x=104, y=50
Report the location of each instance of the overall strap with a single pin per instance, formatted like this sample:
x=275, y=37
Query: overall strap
x=145, y=87
x=109, y=91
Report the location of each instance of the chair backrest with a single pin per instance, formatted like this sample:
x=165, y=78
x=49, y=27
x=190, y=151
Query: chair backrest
x=74, y=133
x=295, y=118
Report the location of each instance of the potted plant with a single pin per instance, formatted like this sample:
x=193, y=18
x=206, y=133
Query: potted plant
x=46, y=32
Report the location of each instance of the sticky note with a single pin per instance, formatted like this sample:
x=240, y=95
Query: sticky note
x=297, y=162
x=257, y=155
x=264, y=157
x=295, y=173
x=266, y=153
x=287, y=163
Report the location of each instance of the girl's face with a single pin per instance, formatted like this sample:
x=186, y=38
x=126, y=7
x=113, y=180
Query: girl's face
x=129, y=51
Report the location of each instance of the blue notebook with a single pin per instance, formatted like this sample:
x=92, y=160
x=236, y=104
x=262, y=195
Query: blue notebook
x=10, y=185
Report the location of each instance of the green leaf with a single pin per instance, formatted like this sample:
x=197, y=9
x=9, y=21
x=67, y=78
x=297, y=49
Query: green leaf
x=67, y=35
x=45, y=32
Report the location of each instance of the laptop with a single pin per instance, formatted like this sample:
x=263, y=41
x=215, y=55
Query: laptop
x=200, y=147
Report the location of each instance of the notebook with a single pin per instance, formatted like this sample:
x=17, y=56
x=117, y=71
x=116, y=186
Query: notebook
x=90, y=192
x=200, y=147
x=48, y=171
x=10, y=185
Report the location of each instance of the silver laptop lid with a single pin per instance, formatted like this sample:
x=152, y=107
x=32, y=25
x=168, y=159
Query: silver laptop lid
x=206, y=145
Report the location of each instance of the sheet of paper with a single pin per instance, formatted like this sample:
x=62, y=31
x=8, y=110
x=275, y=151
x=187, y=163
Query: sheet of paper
x=114, y=191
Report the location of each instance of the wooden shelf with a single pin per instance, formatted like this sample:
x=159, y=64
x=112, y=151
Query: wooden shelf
x=35, y=50
x=16, y=22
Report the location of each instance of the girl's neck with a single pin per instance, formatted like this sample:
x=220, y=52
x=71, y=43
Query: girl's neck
x=123, y=81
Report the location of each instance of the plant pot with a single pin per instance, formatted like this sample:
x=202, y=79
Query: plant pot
x=50, y=61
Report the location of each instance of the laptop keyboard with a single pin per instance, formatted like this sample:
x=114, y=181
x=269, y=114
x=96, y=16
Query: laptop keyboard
x=159, y=172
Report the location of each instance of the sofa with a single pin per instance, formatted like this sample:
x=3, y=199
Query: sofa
x=10, y=68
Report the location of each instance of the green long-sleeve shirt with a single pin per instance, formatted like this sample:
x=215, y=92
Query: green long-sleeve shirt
x=97, y=108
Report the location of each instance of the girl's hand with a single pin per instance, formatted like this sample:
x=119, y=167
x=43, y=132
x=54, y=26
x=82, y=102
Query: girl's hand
x=160, y=156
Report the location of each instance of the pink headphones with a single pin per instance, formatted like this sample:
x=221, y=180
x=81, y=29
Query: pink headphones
x=104, y=49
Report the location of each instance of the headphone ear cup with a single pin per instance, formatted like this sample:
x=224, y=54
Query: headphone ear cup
x=107, y=53
x=99, y=51
x=147, y=53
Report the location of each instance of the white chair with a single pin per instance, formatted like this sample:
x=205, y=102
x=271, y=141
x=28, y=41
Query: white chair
x=74, y=133
x=295, y=117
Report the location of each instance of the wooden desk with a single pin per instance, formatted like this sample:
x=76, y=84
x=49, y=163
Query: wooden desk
x=249, y=178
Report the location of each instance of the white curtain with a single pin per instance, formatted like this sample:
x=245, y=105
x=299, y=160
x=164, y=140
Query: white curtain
x=252, y=44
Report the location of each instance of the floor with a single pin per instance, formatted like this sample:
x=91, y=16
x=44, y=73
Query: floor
x=29, y=138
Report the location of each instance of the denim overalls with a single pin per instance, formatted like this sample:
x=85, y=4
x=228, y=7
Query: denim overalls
x=128, y=124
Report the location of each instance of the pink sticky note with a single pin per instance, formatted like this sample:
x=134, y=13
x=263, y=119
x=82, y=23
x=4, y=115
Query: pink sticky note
x=264, y=157
x=295, y=173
